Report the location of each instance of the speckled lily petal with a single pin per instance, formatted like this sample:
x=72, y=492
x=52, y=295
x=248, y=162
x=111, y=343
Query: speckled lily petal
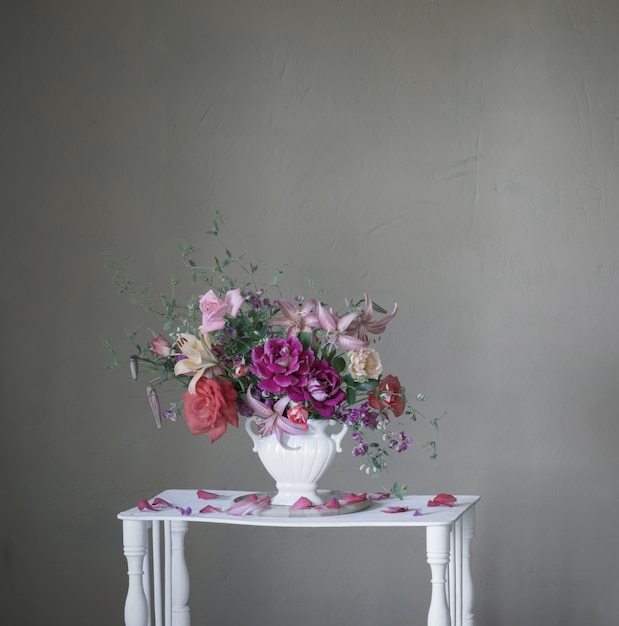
x=249, y=505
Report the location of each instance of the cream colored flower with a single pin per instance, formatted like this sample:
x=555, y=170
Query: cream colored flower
x=199, y=357
x=364, y=364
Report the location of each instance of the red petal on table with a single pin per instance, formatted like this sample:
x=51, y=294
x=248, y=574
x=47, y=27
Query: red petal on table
x=144, y=505
x=303, y=503
x=206, y=495
x=444, y=499
x=395, y=509
x=381, y=495
x=209, y=508
x=349, y=498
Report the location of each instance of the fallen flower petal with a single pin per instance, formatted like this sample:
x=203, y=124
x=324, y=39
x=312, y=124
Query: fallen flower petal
x=416, y=512
x=158, y=504
x=381, y=495
x=206, y=495
x=395, y=509
x=302, y=503
x=349, y=498
x=249, y=505
x=444, y=499
x=334, y=503
x=209, y=508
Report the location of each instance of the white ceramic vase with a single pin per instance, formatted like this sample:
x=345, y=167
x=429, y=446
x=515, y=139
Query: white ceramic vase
x=297, y=470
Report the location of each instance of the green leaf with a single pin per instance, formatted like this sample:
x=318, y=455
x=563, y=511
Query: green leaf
x=306, y=340
x=339, y=364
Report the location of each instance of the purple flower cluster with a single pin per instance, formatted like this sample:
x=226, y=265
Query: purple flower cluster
x=284, y=367
x=398, y=441
x=323, y=389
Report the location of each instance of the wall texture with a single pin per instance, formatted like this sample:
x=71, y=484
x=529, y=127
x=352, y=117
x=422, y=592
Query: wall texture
x=459, y=157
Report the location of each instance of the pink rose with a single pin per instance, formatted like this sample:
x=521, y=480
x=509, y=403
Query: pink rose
x=211, y=408
x=214, y=310
x=161, y=346
x=234, y=299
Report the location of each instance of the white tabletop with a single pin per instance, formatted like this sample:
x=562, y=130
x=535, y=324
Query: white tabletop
x=372, y=516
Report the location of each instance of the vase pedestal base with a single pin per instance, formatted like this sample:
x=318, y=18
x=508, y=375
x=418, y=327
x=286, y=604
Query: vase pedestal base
x=279, y=510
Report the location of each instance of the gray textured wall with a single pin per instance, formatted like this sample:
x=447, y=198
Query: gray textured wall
x=457, y=156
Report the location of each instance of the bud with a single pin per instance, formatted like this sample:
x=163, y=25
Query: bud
x=153, y=400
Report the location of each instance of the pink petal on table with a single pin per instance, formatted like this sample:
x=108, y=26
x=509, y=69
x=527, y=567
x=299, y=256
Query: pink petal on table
x=160, y=503
x=303, y=503
x=395, y=509
x=249, y=505
x=349, y=498
x=444, y=499
x=334, y=503
x=206, y=495
x=209, y=508
x=381, y=495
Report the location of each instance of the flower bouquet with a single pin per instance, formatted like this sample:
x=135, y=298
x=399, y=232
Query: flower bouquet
x=240, y=348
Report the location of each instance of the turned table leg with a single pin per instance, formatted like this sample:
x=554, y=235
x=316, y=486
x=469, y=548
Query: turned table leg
x=437, y=545
x=468, y=594
x=135, y=541
x=179, y=575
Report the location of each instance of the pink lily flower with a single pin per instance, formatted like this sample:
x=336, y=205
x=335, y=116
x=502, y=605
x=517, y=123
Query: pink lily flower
x=337, y=327
x=272, y=420
x=295, y=319
x=365, y=325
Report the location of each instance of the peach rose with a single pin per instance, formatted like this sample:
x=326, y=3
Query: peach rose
x=211, y=408
x=364, y=364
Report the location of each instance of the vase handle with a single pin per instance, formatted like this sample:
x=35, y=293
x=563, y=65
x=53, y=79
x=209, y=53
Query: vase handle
x=337, y=437
x=255, y=436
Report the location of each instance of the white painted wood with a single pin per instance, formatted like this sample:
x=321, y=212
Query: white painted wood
x=454, y=580
x=167, y=550
x=135, y=538
x=437, y=544
x=449, y=532
x=468, y=591
x=180, y=575
x=158, y=609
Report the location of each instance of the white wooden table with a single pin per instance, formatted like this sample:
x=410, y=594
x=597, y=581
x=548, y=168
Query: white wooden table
x=158, y=590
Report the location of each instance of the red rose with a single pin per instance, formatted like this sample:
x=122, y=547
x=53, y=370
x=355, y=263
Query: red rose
x=388, y=395
x=211, y=408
